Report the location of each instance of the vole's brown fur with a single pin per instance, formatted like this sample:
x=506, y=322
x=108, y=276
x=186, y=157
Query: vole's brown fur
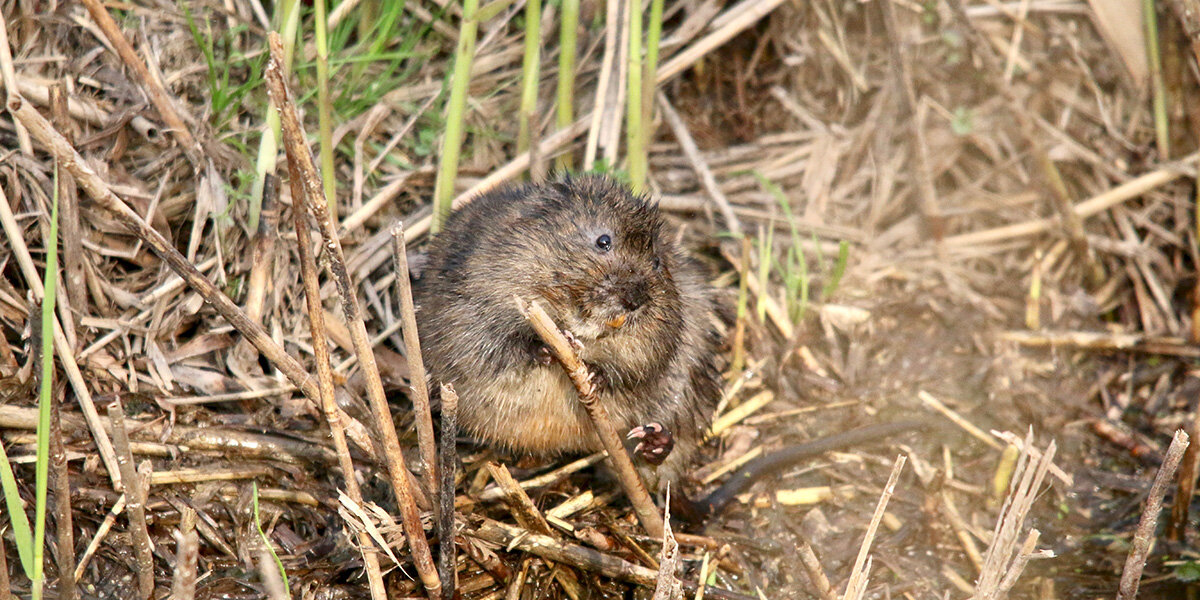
x=546, y=242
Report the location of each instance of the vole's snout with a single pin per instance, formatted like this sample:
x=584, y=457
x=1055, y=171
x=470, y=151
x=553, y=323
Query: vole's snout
x=635, y=295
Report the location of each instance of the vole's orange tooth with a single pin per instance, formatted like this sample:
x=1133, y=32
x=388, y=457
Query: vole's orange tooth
x=617, y=322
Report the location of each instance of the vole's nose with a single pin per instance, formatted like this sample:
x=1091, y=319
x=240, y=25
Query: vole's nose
x=636, y=293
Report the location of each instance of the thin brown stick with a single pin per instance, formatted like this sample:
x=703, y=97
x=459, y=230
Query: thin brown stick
x=416, y=366
x=519, y=503
x=816, y=574
x=74, y=281
x=316, y=323
x=5, y=588
x=1177, y=527
x=187, y=552
x=448, y=455
x=669, y=561
x=302, y=166
x=581, y=377
x=857, y=584
x=154, y=90
x=60, y=479
x=135, y=501
x=1143, y=537
x=692, y=151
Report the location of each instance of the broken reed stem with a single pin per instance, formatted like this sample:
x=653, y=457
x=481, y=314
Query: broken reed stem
x=60, y=479
x=153, y=88
x=74, y=280
x=1177, y=527
x=816, y=574
x=95, y=187
x=581, y=377
x=447, y=555
x=522, y=507
x=109, y=520
x=419, y=385
x=301, y=163
x=858, y=575
x=9, y=78
x=316, y=323
x=1143, y=537
x=187, y=551
x=135, y=501
x=669, y=560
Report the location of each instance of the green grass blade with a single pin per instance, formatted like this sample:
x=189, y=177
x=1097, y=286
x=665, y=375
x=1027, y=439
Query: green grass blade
x=839, y=269
x=635, y=149
x=456, y=108
x=325, y=108
x=16, y=515
x=268, y=147
x=530, y=72
x=42, y=469
x=267, y=541
x=567, y=45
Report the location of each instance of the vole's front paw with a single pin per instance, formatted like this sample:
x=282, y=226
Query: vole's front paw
x=655, y=442
x=543, y=356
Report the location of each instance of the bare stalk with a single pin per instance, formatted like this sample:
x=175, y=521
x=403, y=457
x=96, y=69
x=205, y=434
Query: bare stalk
x=416, y=366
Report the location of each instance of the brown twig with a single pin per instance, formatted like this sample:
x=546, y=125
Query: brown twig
x=581, y=377
x=9, y=77
x=302, y=166
x=316, y=323
x=416, y=367
x=1177, y=527
x=519, y=503
x=816, y=574
x=187, y=552
x=669, y=560
x=1143, y=537
x=857, y=585
x=135, y=501
x=74, y=280
x=448, y=455
x=60, y=478
x=153, y=88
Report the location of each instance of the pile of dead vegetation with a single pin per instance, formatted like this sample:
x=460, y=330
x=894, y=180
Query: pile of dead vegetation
x=902, y=204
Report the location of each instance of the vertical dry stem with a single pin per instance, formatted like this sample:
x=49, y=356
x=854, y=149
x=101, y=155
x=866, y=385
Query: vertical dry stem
x=316, y=323
x=64, y=527
x=302, y=166
x=447, y=561
x=416, y=365
x=135, y=501
x=1143, y=537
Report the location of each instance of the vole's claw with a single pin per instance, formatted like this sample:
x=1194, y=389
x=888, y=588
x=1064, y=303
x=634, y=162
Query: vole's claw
x=655, y=442
x=543, y=356
x=576, y=345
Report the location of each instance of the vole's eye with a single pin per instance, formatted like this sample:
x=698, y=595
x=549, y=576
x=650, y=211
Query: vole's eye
x=656, y=263
x=604, y=243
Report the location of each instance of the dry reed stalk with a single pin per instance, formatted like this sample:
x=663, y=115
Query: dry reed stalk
x=63, y=522
x=5, y=587
x=101, y=532
x=519, y=503
x=187, y=553
x=857, y=584
x=581, y=377
x=301, y=163
x=333, y=416
x=669, y=560
x=448, y=455
x=611, y=9
x=692, y=151
x=419, y=384
x=1143, y=536
x=1177, y=526
x=816, y=574
x=495, y=493
x=135, y=501
x=62, y=348
x=74, y=280
x=86, y=109
x=152, y=86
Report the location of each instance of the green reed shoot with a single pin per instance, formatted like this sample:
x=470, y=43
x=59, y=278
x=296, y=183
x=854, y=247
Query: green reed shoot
x=569, y=24
x=456, y=110
x=530, y=68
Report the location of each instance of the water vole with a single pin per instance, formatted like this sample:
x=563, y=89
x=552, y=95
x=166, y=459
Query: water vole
x=601, y=262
